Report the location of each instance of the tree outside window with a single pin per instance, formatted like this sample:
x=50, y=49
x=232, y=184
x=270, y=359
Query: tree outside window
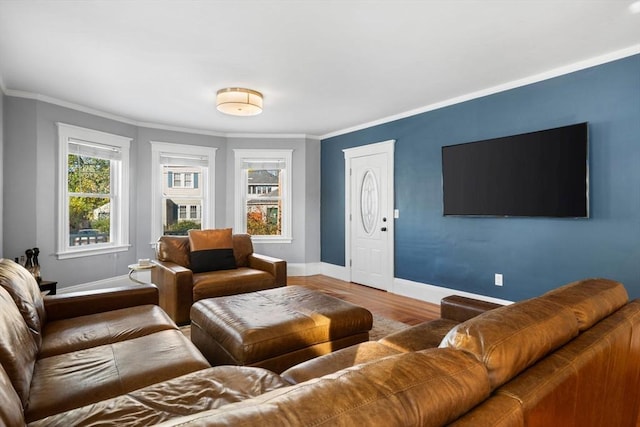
x=263, y=194
x=264, y=206
x=93, y=192
x=89, y=182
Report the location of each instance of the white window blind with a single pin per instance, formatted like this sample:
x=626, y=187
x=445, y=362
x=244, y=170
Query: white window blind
x=92, y=149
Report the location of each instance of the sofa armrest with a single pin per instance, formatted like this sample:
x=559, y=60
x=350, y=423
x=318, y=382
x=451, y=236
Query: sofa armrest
x=175, y=284
x=274, y=266
x=74, y=304
x=460, y=309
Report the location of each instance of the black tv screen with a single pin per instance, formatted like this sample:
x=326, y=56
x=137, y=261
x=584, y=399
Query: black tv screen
x=537, y=174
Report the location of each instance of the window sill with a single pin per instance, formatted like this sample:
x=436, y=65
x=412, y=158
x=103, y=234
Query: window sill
x=268, y=239
x=102, y=250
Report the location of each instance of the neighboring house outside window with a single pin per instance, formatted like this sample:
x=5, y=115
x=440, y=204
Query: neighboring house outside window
x=93, y=178
x=263, y=194
x=182, y=180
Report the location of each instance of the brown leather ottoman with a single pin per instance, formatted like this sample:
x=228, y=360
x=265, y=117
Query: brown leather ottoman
x=276, y=328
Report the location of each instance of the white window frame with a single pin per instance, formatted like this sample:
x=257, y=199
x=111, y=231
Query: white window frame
x=177, y=180
x=240, y=215
x=119, y=230
x=194, y=211
x=184, y=179
x=207, y=182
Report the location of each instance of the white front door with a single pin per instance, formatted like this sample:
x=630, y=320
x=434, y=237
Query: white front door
x=370, y=218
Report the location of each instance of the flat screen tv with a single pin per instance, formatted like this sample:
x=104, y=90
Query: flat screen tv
x=537, y=174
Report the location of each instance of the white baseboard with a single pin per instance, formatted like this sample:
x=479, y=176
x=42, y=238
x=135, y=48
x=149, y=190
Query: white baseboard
x=408, y=288
x=335, y=271
x=433, y=294
x=299, y=269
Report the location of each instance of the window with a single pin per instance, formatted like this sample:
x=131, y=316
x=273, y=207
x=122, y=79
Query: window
x=182, y=179
x=183, y=183
x=263, y=194
x=93, y=174
x=177, y=180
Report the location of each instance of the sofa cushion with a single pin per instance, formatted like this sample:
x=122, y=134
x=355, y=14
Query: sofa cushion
x=597, y=366
x=230, y=282
x=11, y=407
x=511, y=338
x=496, y=411
x=25, y=292
x=211, y=250
x=78, y=333
x=242, y=248
x=419, y=337
x=367, y=351
x=79, y=378
x=174, y=249
x=18, y=350
x=591, y=299
x=189, y=394
x=446, y=383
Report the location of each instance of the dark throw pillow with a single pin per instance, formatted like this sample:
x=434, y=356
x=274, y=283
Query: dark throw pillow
x=211, y=250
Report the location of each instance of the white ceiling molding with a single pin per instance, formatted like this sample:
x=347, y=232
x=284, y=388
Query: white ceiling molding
x=592, y=62
x=610, y=57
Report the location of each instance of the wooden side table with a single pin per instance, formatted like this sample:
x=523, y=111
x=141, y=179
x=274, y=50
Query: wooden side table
x=47, y=285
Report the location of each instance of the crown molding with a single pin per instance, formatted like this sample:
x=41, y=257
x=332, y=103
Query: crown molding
x=556, y=72
x=181, y=129
x=273, y=135
x=150, y=125
x=70, y=105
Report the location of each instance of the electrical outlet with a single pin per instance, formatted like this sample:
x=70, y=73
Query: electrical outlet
x=498, y=279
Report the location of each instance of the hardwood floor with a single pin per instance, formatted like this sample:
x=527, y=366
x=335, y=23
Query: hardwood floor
x=392, y=306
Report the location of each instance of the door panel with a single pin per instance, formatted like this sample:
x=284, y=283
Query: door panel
x=369, y=221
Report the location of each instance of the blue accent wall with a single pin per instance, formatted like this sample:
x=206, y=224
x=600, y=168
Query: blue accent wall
x=533, y=254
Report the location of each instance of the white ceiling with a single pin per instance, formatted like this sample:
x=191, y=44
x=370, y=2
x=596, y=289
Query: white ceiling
x=323, y=66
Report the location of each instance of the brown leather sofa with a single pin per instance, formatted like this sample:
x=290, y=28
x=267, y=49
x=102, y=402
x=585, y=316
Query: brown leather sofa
x=179, y=287
x=567, y=358
x=69, y=359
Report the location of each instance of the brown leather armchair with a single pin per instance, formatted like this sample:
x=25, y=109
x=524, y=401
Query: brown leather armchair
x=180, y=287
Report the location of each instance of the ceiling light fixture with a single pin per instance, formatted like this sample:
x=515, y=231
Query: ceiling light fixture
x=238, y=101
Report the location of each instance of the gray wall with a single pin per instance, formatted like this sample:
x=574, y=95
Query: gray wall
x=30, y=198
x=30, y=193
x=20, y=176
x=312, y=198
x=143, y=172
x=305, y=196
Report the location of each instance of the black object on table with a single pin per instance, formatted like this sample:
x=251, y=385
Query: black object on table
x=47, y=285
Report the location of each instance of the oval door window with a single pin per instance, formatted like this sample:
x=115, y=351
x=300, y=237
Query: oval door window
x=369, y=201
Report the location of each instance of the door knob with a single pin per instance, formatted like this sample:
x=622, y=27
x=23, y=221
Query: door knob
x=383, y=229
